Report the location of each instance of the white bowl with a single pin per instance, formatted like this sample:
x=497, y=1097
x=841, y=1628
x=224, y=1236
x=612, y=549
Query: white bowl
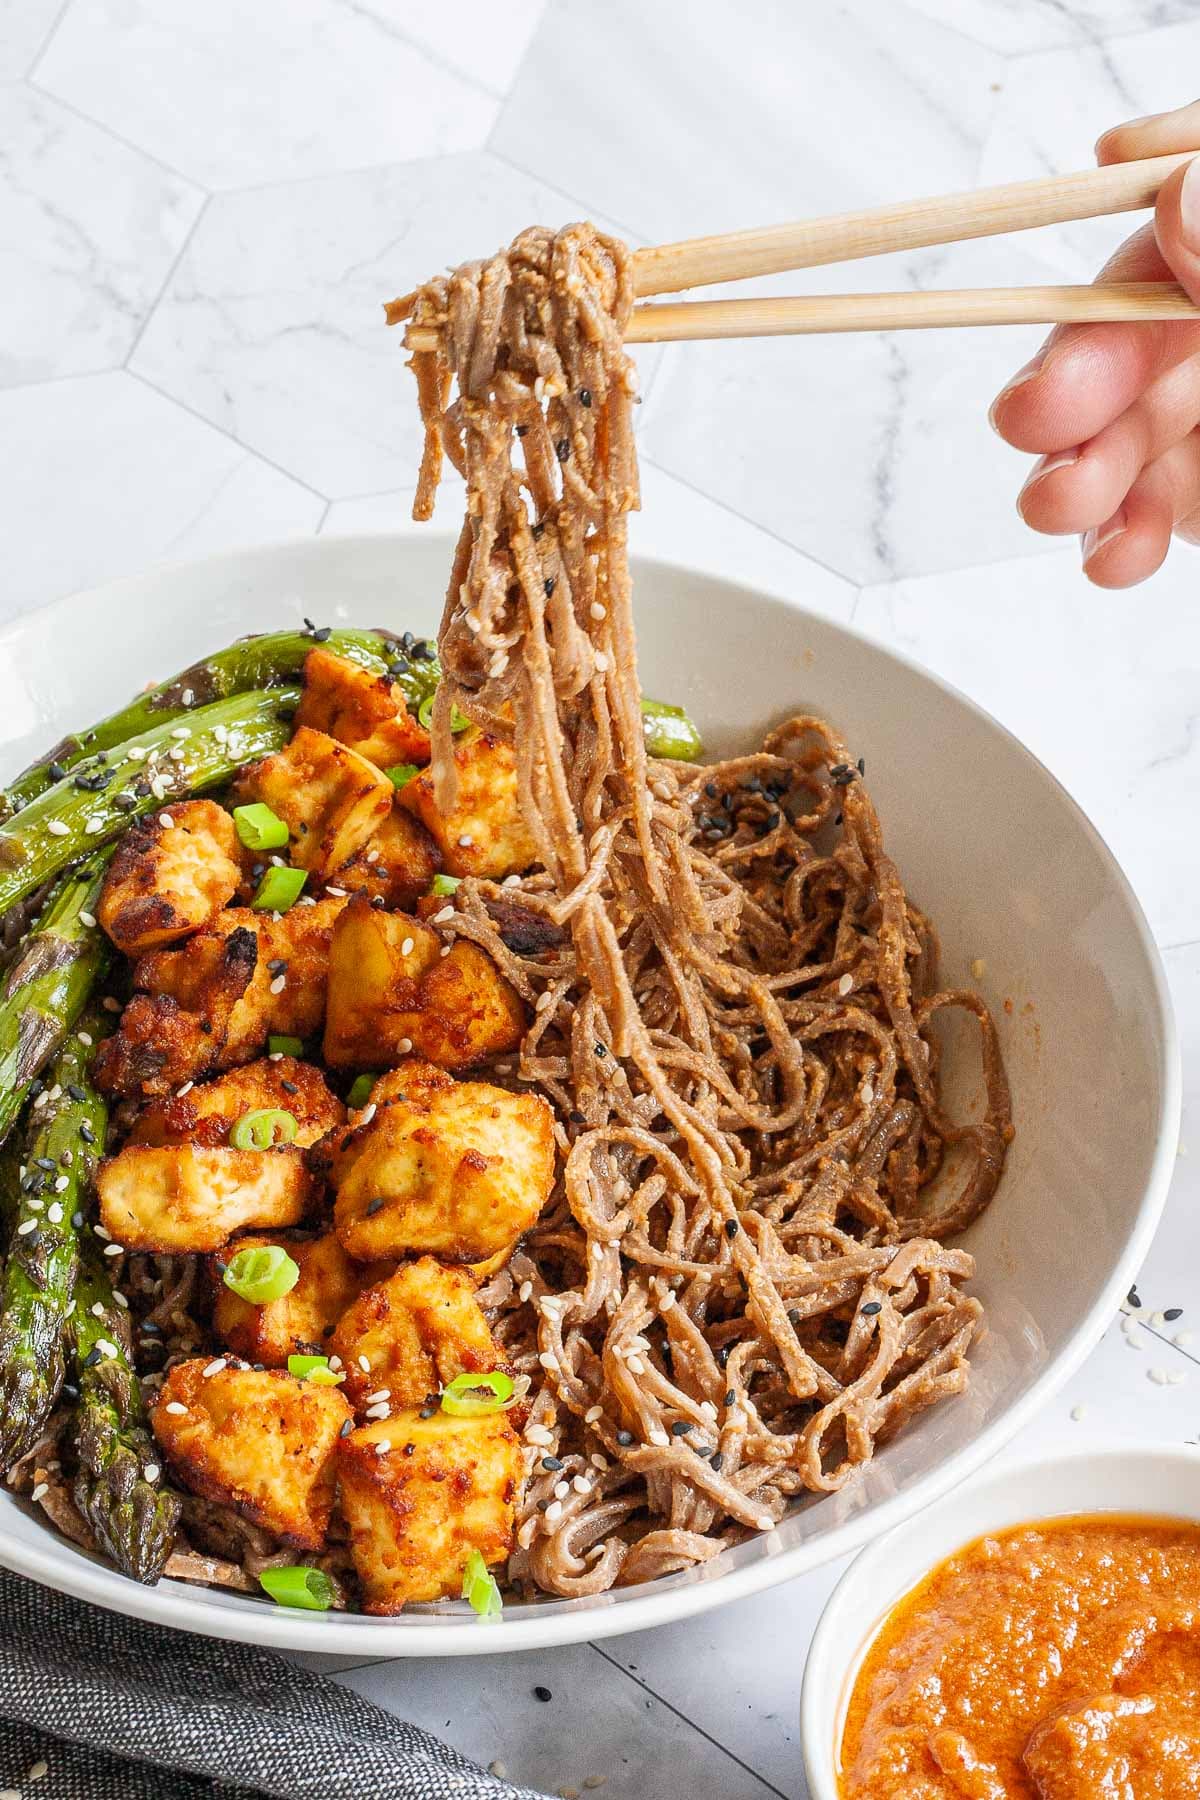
x=989, y=843
x=1088, y=1481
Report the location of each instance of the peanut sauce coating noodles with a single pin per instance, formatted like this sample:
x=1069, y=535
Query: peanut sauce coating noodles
x=740, y=1285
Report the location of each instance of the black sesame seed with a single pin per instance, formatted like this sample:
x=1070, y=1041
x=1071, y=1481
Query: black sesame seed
x=220, y=1265
x=772, y=819
x=837, y=818
x=407, y=639
x=141, y=787
x=521, y=430
x=56, y=772
x=277, y=965
x=730, y=1397
x=409, y=1448
x=327, y=1331
x=427, y=1412
x=423, y=651
x=289, y=1087
x=323, y=635
x=542, y=1693
x=794, y=1315
x=125, y=803
x=731, y=1228
x=69, y=1390
x=45, y=1162
x=1172, y=1313
x=723, y=1355
x=577, y=1118
x=681, y=1427
x=76, y=1092
x=537, y=530
x=33, y=1240
x=548, y=586
x=601, y=1049
x=624, y=1438
x=861, y=765
x=1134, y=1298
x=562, y=449
x=842, y=774
x=86, y=1132
x=92, y=1357
x=347, y=1428
x=378, y=902
x=716, y=1463
x=585, y=396
x=871, y=1308
x=552, y=1462
x=77, y=1221
x=373, y=1206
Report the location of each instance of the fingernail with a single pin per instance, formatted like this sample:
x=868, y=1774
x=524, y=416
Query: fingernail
x=1093, y=541
x=1062, y=460
x=1189, y=206
x=1026, y=374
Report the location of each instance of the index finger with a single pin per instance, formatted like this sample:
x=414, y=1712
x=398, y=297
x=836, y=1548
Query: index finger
x=1159, y=134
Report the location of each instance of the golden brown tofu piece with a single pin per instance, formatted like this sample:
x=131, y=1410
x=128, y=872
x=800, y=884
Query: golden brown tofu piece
x=255, y=1439
x=207, y=1113
x=185, y=1198
x=330, y=798
x=210, y=1005
x=367, y=712
x=417, y=1331
x=299, y=1322
x=391, y=991
x=170, y=874
x=441, y=1488
x=485, y=833
x=396, y=865
x=456, y=1168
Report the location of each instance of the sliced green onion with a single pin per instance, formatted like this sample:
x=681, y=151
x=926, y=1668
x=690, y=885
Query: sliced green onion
x=315, y=1369
x=470, y=1396
x=400, y=774
x=263, y=1129
x=259, y=828
x=425, y=714
x=669, y=732
x=310, y=1589
x=281, y=1045
x=360, y=1091
x=279, y=889
x=264, y=1272
x=479, y=1587
x=445, y=884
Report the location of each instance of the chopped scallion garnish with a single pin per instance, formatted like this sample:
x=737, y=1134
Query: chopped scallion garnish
x=263, y=1129
x=479, y=1587
x=400, y=774
x=265, y=1272
x=445, y=884
x=259, y=828
x=298, y=1586
x=315, y=1369
x=279, y=889
x=471, y=1395
x=360, y=1091
x=458, y=722
x=279, y=1044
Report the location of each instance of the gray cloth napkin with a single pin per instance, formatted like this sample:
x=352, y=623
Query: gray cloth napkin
x=121, y=1710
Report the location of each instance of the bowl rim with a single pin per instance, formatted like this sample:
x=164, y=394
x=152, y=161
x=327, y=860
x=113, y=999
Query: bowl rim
x=63, y=1566
x=826, y=1666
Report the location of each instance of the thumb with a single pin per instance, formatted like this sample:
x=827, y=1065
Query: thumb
x=1177, y=226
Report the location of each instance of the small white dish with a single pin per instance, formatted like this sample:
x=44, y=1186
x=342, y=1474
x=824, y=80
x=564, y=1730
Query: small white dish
x=989, y=845
x=1156, y=1482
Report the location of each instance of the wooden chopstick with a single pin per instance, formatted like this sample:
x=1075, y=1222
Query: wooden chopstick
x=908, y=225
x=791, y=316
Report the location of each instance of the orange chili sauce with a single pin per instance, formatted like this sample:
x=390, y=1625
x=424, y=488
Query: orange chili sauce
x=1055, y=1661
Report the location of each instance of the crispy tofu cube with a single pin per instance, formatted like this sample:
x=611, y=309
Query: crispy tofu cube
x=416, y=1331
x=367, y=712
x=485, y=833
x=257, y=1440
x=188, y=1198
x=330, y=798
x=206, y=1114
x=209, y=1005
x=392, y=991
x=457, y=1168
x=167, y=880
x=397, y=864
x=299, y=1322
x=418, y=1495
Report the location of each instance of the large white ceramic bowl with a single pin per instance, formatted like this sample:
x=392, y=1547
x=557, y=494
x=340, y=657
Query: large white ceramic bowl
x=1089, y=1481
x=989, y=843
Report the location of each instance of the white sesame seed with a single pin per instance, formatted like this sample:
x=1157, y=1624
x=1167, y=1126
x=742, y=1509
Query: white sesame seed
x=111, y=1004
x=56, y=1091
x=100, y=1232
x=215, y=1366
x=364, y=1365
x=185, y=1089
x=335, y=1362
x=1183, y=1338
x=635, y=1365
x=659, y=1436
x=221, y=733
x=445, y=950
x=598, y=611
x=525, y=1535
x=403, y=1046
x=377, y=1396
x=582, y=1485
x=1078, y=1413
x=544, y=1000
x=372, y=856
x=54, y=1213
x=57, y=829
x=337, y=892
x=175, y=1406
x=166, y=821
x=40, y=1100
x=383, y=1446
x=868, y=1094
x=498, y=1769
x=43, y=1487
x=597, y=1460
x=561, y=1489
x=439, y=918
x=177, y=753
x=667, y=1301
x=180, y=732
x=553, y=1512
x=465, y=842
x=98, y=1310
x=1158, y=1319
x=382, y=1411
x=26, y=1226
x=548, y=1359
x=537, y=1434
x=845, y=984
x=601, y=663
x=106, y=1347
x=38, y=1770
x=1175, y=1377
x=151, y=1471
x=61, y=1183
x=1160, y=1377
x=120, y=1299
x=592, y=1414
x=34, y=1204
x=186, y=698
x=279, y=983
x=88, y=920
x=511, y=881
x=114, y=1249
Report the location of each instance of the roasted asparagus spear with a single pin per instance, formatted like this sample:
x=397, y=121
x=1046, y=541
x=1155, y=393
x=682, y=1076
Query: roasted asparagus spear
x=62, y=1142
x=46, y=986
x=118, y=1482
x=93, y=806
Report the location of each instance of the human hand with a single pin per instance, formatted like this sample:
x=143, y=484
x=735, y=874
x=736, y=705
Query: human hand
x=1113, y=411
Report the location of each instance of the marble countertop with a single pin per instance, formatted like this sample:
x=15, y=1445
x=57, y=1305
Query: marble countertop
x=200, y=210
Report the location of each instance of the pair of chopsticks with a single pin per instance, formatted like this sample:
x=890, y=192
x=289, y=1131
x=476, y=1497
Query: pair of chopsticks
x=909, y=225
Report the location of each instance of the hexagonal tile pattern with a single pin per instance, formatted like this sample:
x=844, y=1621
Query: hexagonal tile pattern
x=88, y=230
x=101, y=476
x=231, y=93
x=1015, y=26
x=272, y=325
x=24, y=27
x=479, y=38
